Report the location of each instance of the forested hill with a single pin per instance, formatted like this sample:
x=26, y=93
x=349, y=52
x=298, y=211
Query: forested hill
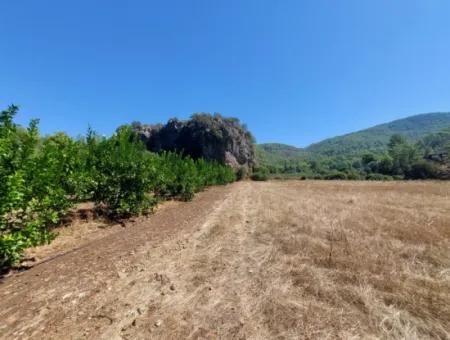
x=376, y=138
x=275, y=153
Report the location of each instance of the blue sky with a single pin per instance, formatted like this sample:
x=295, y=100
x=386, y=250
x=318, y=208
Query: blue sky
x=295, y=71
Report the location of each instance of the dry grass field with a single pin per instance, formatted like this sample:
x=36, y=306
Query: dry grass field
x=352, y=260
x=271, y=260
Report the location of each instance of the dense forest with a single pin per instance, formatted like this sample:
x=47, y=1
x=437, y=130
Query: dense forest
x=42, y=177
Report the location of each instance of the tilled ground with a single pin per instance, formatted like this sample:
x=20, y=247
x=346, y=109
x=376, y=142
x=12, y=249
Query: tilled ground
x=275, y=260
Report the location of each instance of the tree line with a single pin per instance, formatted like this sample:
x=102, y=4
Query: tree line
x=427, y=159
x=41, y=178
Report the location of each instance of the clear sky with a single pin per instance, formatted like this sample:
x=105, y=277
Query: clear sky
x=296, y=71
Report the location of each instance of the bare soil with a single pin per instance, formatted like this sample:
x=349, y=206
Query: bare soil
x=272, y=260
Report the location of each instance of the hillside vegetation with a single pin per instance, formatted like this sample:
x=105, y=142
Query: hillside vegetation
x=276, y=153
x=414, y=147
x=376, y=139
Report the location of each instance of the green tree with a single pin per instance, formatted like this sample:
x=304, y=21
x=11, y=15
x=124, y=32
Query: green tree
x=403, y=155
x=385, y=165
x=30, y=197
x=123, y=173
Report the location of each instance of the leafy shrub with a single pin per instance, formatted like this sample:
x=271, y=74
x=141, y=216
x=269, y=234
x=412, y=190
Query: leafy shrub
x=259, y=176
x=336, y=175
x=182, y=177
x=353, y=175
x=31, y=196
x=421, y=170
x=378, y=177
x=123, y=174
x=174, y=178
x=214, y=173
x=241, y=173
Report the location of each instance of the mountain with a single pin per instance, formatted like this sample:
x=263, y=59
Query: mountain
x=376, y=138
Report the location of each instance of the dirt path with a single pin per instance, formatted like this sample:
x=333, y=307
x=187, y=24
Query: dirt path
x=277, y=260
x=97, y=289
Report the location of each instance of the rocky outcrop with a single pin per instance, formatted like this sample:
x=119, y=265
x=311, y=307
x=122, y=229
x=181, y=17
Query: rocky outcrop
x=207, y=136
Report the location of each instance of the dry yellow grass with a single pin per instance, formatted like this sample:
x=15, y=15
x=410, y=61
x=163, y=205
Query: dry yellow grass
x=273, y=260
x=356, y=259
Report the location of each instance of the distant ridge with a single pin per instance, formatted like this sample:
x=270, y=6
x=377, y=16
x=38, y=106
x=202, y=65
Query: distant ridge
x=375, y=139
x=276, y=153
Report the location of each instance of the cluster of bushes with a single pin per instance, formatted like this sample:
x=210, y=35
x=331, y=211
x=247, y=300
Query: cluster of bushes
x=403, y=160
x=41, y=178
x=260, y=174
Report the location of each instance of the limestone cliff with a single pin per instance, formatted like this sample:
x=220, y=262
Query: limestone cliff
x=211, y=137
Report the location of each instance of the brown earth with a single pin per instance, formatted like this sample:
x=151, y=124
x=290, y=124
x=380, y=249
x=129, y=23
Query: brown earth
x=274, y=260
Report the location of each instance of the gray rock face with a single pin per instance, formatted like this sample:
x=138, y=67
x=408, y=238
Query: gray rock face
x=207, y=136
